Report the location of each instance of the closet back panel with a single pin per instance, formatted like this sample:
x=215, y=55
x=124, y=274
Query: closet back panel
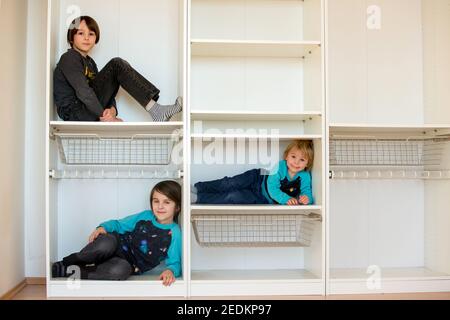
x=375, y=74
x=217, y=258
x=250, y=84
x=84, y=204
x=381, y=220
x=145, y=33
x=256, y=20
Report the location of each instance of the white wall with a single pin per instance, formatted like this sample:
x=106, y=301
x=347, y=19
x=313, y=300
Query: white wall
x=35, y=140
x=13, y=14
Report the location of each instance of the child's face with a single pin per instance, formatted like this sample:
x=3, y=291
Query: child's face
x=296, y=161
x=163, y=208
x=84, y=39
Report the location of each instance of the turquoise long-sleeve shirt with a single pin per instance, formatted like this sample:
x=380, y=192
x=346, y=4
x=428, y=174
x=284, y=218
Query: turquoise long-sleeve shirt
x=278, y=174
x=127, y=224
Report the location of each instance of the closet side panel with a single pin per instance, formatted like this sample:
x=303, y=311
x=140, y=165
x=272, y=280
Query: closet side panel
x=437, y=220
x=436, y=32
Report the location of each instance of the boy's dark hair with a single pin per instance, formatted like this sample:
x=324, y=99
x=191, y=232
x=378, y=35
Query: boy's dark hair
x=74, y=26
x=171, y=190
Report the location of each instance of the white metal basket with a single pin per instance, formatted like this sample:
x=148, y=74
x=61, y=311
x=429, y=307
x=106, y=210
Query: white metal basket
x=248, y=230
x=375, y=152
x=136, y=150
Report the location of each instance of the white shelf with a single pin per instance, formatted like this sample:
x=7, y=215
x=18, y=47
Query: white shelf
x=254, y=209
x=145, y=287
x=253, y=116
x=252, y=48
x=115, y=127
x=374, y=129
x=388, y=273
x=256, y=136
x=251, y=275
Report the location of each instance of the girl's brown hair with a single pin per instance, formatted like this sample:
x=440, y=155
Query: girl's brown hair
x=171, y=190
x=74, y=26
x=306, y=147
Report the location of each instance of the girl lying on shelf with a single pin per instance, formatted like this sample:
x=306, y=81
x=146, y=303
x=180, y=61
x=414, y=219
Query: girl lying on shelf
x=82, y=93
x=288, y=184
x=135, y=244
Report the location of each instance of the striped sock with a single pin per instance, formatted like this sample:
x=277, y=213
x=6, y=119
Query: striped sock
x=162, y=113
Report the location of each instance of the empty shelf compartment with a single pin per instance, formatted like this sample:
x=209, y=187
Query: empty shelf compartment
x=247, y=230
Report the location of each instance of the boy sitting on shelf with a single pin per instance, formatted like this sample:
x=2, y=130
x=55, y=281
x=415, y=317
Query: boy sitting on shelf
x=288, y=184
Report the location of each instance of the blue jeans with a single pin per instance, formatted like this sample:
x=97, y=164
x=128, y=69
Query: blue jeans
x=245, y=188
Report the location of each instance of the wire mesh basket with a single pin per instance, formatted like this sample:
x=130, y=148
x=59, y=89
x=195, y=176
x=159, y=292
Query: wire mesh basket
x=136, y=150
x=242, y=230
x=374, y=152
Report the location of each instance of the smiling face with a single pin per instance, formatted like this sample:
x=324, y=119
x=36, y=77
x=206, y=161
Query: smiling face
x=296, y=161
x=84, y=39
x=163, y=208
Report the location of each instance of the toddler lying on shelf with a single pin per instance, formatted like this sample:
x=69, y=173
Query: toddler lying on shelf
x=288, y=184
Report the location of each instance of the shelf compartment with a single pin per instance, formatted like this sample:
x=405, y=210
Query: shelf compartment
x=386, y=152
x=245, y=230
x=251, y=48
x=93, y=149
x=256, y=19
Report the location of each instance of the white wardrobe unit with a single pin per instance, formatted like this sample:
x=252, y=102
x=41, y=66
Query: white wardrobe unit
x=103, y=171
x=255, y=84
x=366, y=81
x=389, y=146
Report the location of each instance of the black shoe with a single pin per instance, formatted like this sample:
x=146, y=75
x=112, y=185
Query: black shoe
x=59, y=270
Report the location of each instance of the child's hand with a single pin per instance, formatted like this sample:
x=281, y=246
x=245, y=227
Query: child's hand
x=109, y=115
x=292, y=202
x=303, y=200
x=167, y=277
x=94, y=235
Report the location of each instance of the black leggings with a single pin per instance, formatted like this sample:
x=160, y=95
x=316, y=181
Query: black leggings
x=101, y=260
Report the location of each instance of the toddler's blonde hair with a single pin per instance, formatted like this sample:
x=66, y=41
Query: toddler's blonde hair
x=306, y=147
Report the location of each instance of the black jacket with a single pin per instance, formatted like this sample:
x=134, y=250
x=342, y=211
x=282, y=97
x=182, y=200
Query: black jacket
x=74, y=96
